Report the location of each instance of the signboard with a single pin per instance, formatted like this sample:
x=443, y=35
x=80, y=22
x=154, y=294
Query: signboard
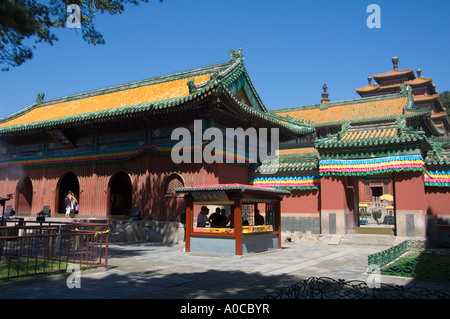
x=211, y=198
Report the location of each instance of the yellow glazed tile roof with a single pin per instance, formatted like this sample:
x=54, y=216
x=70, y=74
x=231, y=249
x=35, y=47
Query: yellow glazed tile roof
x=369, y=134
x=127, y=97
x=347, y=112
x=305, y=150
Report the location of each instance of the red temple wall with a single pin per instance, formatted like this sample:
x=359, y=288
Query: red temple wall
x=301, y=202
x=409, y=191
x=333, y=193
x=146, y=172
x=438, y=200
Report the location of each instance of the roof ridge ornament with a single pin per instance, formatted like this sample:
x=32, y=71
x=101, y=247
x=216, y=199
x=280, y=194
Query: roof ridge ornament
x=236, y=55
x=419, y=73
x=191, y=86
x=410, y=101
x=40, y=98
x=325, y=101
x=344, y=128
x=401, y=124
x=395, y=63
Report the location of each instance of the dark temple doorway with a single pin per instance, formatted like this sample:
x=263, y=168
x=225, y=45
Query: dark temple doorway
x=24, y=197
x=119, y=191
x=68, y=182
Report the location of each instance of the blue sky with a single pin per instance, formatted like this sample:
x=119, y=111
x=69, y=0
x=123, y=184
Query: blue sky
x=290, y=47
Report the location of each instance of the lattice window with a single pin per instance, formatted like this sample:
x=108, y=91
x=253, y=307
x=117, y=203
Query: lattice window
x=172, y=182
x=271, y=215
x=248, y=215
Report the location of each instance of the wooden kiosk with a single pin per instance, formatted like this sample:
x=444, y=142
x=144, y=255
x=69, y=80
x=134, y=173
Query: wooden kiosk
x=243, y=200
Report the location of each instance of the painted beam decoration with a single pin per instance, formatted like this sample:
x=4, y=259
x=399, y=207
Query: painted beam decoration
x=84, y=158
x=371, y=166
x=287, y=182
x=439, y=178
x=105, y=156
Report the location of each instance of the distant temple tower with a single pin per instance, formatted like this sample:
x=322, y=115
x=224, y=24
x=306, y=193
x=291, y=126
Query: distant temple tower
x=423, y=90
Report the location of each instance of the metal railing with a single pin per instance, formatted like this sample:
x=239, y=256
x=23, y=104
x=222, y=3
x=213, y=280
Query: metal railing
x=328, y=288
x=412, y=259
x=31, y=249
x=387, y=256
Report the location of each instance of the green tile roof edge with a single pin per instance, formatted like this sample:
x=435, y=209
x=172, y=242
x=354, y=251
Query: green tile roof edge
x=231, y=70
x=120, y=87
x=333, y=143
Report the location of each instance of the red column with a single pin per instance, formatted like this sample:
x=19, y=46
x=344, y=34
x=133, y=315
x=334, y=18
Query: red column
x=238, y=225
x=189, y=223
x=278, y=207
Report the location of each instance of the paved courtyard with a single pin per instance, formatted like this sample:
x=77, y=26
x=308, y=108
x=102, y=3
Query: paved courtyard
x=156, y=271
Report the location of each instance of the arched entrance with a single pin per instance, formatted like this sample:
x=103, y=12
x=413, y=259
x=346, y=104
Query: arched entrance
x=24, y=197
x=68, y=182
x=119, y=194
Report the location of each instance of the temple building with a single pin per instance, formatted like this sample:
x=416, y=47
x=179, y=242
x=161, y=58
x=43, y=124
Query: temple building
x=376, y=164
x=112, y=147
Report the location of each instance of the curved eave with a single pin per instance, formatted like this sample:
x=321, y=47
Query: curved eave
x=266, y=118
x=394, y=74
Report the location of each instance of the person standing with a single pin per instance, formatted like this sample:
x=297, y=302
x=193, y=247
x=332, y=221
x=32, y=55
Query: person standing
x=259, y=219
x=68, y=204
x=202, y=217
x=215, y=220
x=70, y=201
x=183, y=221
x=230, y=220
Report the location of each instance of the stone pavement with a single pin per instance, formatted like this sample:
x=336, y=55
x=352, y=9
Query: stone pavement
x=157, y=271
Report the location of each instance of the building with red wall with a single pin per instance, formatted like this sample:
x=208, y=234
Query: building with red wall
x=376, y=164
x=112, y=147
x=381, y=160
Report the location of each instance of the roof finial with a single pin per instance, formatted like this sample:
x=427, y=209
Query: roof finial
x=370, y=80
x=325, y=99
x=236, y=55
x=419, y=73
x=395, y=62
x=40, y=98
x=191, y=86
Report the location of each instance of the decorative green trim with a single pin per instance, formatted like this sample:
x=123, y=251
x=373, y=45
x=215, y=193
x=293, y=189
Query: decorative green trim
x=106, y=156
x=334, y=142
x=437, y=178
x=122, y=87
x=369, y=153
x=225, y=74
x=295, y=162
x=287, y=182
x=298, y=188
x=371, y=166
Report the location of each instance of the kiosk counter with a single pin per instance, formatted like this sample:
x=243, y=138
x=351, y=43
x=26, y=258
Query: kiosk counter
x=247, y=235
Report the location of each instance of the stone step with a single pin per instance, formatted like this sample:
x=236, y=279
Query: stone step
x=369, y=240
x=344, y=239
